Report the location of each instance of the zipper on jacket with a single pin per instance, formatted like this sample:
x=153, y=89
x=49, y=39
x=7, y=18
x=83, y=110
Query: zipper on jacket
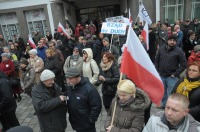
x=125, y=122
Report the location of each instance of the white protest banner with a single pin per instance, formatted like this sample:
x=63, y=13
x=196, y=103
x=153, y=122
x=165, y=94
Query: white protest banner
x=144, y=15
x=113, y=28
x=115, y=19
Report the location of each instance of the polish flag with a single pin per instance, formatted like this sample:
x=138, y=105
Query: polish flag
x=31, y=42
x=62, y=29
x=145, y=34
x=137, y=65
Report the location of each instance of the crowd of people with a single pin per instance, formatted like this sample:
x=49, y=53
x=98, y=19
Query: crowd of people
x=64, y=74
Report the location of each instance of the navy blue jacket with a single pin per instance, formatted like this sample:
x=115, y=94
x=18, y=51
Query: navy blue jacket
x=84, y=105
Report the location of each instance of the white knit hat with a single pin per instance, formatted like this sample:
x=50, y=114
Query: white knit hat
x=33, y=51
x=46, y=75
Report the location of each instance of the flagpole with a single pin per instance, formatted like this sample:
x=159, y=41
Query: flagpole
x=111, y=43
x=136, y=20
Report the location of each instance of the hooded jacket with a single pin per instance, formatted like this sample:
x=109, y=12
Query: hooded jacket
x=90, y=68
x=130, y=117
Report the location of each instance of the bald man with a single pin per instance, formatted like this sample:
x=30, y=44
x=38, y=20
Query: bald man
x=175, y=118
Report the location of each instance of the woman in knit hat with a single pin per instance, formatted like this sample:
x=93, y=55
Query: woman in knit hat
x=37, y=64
x=130, y=107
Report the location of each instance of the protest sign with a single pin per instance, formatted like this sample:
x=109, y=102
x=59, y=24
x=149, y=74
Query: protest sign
x=115, y=19
x=113, y=28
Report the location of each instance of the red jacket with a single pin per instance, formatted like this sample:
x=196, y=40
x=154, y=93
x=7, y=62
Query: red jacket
x=78, y=29
x=7, y=67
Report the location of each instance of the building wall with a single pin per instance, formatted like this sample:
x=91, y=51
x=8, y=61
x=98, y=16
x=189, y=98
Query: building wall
x=70, y=13
x=123, y=7
x=82, y=4
x=20, y=12
x=58, y=14
x=187, y=9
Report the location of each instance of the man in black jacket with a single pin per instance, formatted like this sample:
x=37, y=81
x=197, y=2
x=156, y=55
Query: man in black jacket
x=8, y=105
x=49, y=104
x=170, y=63
x=83, y=102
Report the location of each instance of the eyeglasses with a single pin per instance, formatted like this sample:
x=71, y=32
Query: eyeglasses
x=193, y=70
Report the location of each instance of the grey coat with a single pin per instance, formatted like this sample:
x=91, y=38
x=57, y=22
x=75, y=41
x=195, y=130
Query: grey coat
x=49, y=108
x=27, y=79
x=155, y=124
x=70, y=62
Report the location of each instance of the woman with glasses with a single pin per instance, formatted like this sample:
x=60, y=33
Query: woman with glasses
x=75, y=60
x=190, y=87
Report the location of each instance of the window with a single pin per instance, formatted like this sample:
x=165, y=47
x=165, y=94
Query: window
x=195, y=9
x=9, y=25
x=173, y=10
x=36, y=21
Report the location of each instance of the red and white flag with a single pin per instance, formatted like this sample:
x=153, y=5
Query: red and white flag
x=145, y=34
x=137, y=65
x=62, y=29
x=31, y=42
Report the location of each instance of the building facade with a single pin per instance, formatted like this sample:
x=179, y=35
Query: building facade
x=25, y=16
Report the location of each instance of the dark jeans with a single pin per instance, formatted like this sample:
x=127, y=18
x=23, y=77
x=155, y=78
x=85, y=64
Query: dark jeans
x=8, y=120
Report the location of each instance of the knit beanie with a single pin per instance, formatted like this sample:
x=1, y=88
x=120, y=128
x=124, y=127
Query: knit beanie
x=106, y=39
x=33, y=51
x=24, y=61
x=72, y=72
x=5, y=55
x=173, y=36
x=46, y=75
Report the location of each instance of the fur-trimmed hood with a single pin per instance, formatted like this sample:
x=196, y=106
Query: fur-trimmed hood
x=141, y=101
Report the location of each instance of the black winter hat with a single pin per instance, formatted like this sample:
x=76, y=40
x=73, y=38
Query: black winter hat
x=173, y=36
